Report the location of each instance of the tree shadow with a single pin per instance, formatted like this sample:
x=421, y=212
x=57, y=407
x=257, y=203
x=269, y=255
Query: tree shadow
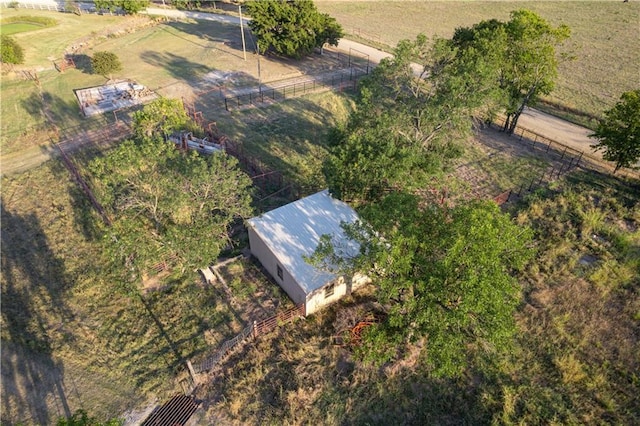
x=55, y=109
x=178, y=66
x=33, y=307
x=83, y=62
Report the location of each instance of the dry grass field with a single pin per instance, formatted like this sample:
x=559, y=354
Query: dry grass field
x=71, y=339
x=604, y=38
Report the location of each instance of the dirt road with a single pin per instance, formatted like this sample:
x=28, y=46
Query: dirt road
x=536, y=121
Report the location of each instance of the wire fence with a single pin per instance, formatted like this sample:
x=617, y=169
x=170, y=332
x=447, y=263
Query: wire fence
x=566, y=159
x=341, y=80
x=252, y=331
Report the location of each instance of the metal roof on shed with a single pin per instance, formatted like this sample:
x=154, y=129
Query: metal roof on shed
x=294, y=230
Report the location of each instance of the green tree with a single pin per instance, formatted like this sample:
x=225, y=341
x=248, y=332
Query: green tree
x=619, y=132
x=105, y=63
x=408, y=123
x=128, y=6
x=109, y=5
x=291, y=28
x=166, y=202
x=132, y=7
x=11, y=51
x=525, y=50
x=443, y=275
x=160, y=117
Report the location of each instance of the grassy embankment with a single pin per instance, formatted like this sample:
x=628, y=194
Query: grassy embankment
x=604, y=41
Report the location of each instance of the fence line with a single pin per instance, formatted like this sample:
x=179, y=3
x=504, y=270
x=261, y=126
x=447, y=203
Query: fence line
x=253, y=330
x=364, y=34
x=538, y=181
x=342, y=80
x=84, y=186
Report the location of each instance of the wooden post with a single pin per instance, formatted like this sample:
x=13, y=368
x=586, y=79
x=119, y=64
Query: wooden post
x=563, y=152
x=194, y=376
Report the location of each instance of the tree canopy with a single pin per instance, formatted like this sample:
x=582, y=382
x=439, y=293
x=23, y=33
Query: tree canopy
x=160, y=117
x=291, y=28
x=128, y=6
x=167, y=202
x=444, y=274
x=525, y=50
x=409, y=123
x=10, y=51
x=619, y=132
x=105, y=63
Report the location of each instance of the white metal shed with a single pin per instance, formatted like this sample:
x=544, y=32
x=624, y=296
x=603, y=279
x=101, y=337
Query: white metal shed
x=282, y=237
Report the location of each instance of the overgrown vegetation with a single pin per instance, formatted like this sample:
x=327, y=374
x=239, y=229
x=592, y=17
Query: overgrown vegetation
x=11, y=52
x=573, y=360
x=66, y=322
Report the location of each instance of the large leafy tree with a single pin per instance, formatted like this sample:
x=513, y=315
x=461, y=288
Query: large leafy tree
x=525, y=50
x=409, y=122
x=128, y=6
x=443, y=276
x=167, y=202
x=619, y=132
x=160, y=117
x=291, y=28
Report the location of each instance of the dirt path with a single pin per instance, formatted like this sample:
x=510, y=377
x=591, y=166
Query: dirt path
x=21, y=161
x=559, y=130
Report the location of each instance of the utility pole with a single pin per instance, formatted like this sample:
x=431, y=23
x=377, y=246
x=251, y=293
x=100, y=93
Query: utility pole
x=244, y=50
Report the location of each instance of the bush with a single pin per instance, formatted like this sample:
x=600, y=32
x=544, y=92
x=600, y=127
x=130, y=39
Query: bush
x=11, y=51
x=105, y=63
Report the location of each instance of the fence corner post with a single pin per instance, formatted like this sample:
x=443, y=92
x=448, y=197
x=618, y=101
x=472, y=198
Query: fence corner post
x=192, y=372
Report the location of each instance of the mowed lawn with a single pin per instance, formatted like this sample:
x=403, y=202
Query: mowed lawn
x=605, y=41
x=18, y=27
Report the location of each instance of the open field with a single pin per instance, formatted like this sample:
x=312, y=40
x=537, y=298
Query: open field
x=176, y=59
x=604, y=39
x=71, y=339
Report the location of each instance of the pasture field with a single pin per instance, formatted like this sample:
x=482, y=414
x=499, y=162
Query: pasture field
x=176, y=59
x=604, y=43
x=71, y=338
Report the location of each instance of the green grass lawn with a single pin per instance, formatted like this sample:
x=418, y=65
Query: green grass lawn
x=604, y=39
x=47, y=44
x=18, y=27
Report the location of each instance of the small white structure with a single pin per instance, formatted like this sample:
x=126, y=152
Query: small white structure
x=281, y=238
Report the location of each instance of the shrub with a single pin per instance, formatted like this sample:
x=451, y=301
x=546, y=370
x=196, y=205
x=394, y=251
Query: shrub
x=105, y=63
x=11, y=51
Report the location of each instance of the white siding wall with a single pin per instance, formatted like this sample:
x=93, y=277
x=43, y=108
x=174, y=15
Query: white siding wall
x=268, y=260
